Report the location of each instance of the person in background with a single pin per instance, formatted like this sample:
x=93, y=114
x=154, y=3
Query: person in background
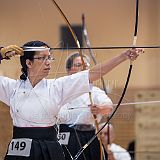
x=76, y=117
x=131, y=149
x=114, y=151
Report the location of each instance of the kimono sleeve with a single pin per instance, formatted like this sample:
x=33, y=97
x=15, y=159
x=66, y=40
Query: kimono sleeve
x=6, y=87
x=73, y=86
x=100, y=97
x=63, y=115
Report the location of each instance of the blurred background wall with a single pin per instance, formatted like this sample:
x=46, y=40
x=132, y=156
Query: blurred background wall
x=109, y=23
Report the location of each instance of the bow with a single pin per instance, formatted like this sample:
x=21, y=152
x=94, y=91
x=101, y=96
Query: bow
x=80, y=52
x=123, y=92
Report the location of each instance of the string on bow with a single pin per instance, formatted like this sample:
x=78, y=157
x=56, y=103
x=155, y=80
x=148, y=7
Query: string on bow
x=123, y=93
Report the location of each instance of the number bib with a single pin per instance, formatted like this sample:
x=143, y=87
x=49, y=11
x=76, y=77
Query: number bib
x=63, y=137
x=20, y=147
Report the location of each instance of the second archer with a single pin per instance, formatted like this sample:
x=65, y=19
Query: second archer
x=76, y=117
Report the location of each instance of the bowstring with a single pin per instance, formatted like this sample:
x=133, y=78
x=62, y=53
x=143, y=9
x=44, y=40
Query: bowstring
x=123, y=92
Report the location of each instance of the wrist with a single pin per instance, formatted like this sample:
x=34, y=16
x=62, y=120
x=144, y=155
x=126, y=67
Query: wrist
x=124, y=55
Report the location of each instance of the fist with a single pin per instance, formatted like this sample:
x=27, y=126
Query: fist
x=132, y=54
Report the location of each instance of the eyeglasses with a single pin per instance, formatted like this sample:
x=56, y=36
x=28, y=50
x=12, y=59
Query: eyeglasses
x=45, y=58
x=80, y=65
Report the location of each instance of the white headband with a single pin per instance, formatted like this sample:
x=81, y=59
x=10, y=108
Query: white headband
x=35, y=48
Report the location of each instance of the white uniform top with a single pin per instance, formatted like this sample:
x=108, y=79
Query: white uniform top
x=119, y=152
x=39, y=106
x=78, y=112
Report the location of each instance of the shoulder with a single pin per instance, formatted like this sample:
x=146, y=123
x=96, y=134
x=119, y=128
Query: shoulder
x=96, y=89
x=8, y=84
x=117, y=147
x=99, y=92
x=7, y=79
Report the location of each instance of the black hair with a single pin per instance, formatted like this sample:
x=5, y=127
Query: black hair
x=70, y=59
x=29, y=55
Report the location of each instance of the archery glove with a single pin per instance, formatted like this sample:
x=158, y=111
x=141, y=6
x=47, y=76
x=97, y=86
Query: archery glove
x=11, y=48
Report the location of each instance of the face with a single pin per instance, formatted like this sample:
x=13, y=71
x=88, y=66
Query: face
x=104, y=135
x=78, y=66
x=41, y=64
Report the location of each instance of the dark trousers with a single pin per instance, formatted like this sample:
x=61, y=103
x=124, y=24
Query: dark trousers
x=44, y=144
x=77, y=140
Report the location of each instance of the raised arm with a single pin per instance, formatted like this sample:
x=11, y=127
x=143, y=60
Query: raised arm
x=103, y=68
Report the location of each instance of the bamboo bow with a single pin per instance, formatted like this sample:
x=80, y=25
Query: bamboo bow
x=81, y=55
x=123, y=92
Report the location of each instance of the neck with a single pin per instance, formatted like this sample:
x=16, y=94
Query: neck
x=34, y=80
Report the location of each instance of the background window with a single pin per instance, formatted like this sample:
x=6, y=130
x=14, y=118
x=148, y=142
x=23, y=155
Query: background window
x=66, y=37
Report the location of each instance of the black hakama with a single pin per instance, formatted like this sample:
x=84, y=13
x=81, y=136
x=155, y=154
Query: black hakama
x=76, y=140
x=44, y=144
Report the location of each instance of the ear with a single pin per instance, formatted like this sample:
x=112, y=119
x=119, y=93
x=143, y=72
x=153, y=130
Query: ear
x=29, y=63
